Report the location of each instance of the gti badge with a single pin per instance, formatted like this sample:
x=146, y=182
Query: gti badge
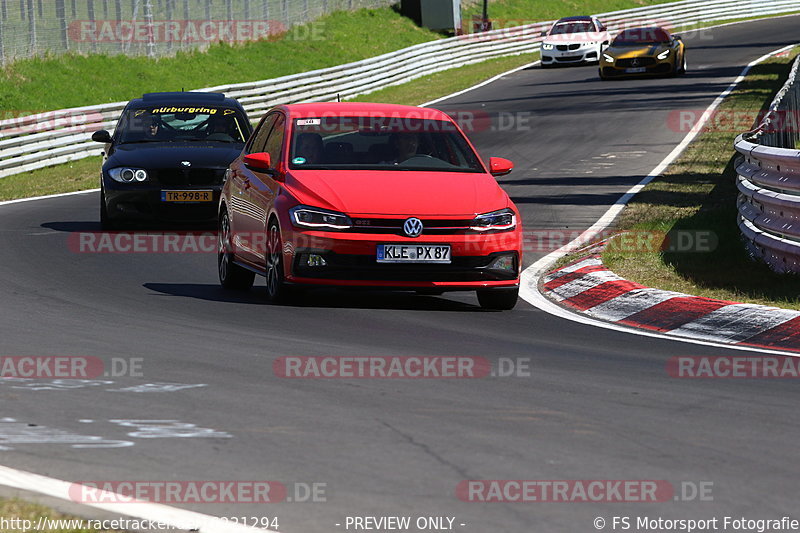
x=186, y=163
x=412, y=227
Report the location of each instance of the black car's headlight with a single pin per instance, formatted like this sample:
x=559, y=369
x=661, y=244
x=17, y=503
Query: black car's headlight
x=663, y=55
x=315, y=218
x=504, y=219
x=128, y=175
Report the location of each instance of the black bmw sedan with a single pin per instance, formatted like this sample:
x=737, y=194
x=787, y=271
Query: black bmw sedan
x=166, y=159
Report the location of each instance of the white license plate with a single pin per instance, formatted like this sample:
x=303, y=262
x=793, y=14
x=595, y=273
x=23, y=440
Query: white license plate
x=635, y=70
x=413, y=253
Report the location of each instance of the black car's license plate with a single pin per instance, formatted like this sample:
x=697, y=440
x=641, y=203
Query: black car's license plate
x=187, y=196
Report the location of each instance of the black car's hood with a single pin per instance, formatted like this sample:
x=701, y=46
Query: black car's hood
x=173, y=154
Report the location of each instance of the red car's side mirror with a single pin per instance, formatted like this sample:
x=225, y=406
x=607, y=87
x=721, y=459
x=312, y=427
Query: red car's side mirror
x=499, y=166
x=259, y=161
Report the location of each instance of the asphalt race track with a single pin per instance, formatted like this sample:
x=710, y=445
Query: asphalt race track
x=598, y=404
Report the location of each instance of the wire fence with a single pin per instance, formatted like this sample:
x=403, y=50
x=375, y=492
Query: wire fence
x=150, y=27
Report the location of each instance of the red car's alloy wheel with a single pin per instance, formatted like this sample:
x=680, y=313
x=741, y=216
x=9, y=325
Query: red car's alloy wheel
x=274, y=274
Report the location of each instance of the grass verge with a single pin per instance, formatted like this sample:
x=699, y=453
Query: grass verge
x=435, y=86
x=14, y=508
x=74, y=176
x=698, y=193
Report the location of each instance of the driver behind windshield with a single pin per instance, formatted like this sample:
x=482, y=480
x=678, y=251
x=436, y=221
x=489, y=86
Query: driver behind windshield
x=154, y=129
x=222, y=128
x=404, y=146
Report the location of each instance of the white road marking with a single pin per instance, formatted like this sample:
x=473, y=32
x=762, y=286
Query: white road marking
x=13, y=432
x=169, y=429
x=159, y=387
x=177, y=518
x=34, y=198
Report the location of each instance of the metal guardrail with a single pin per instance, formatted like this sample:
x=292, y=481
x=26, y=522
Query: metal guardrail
x=769, y=181
x=55, y=137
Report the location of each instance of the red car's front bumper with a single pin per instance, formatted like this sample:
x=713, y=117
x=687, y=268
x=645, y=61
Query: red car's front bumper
x=351, y=260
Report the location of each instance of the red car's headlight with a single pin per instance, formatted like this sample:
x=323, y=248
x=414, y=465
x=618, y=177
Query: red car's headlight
x=504, y=219
x=315, y=218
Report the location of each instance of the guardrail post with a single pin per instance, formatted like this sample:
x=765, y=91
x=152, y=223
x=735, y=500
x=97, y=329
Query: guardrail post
x=92, y=20
x=61, y=18
x=32, y=27
x=169, y=17
x=2, y=19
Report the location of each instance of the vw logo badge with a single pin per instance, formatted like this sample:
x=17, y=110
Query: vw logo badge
x=186, y=163
x=412, y=227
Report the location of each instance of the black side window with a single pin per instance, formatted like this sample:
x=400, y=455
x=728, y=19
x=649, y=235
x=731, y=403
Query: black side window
x=122, y=125
x=275, y=140
x=260, y=135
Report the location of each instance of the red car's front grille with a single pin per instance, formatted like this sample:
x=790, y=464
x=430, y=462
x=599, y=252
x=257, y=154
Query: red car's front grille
x=394, y=226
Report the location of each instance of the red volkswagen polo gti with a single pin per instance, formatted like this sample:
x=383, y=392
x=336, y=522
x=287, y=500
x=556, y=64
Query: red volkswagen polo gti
x=368, y=195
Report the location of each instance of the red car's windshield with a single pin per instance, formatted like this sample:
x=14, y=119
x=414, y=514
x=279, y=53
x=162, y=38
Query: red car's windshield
x=381, y=143
x=637, y=36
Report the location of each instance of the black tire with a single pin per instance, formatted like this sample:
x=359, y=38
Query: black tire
x=498, y=299
x=231, y=275
x=105, y=221
x=600, y=73
x=278, y=292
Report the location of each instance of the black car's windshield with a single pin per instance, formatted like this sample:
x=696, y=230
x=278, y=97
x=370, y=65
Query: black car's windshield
x=381, y=143
x=182, y=124
x=562, y=28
